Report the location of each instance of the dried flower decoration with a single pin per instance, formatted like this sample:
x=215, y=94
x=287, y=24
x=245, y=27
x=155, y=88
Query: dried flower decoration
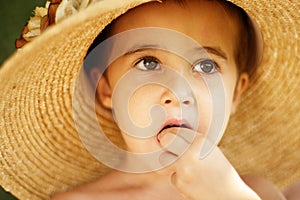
x=54, y=11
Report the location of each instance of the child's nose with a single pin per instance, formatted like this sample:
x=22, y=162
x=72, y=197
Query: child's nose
x=178, y=99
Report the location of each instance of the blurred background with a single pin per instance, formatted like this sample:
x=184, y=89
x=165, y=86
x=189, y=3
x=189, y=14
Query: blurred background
x=13, y=16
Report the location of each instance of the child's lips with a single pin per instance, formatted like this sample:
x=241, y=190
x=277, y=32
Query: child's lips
x=172, y=124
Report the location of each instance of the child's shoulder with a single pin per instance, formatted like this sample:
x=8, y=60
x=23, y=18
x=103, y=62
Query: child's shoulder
x=264, y=188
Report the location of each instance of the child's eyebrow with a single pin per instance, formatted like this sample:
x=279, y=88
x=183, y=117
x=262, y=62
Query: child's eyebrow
x=142, y=48
x=213, y=50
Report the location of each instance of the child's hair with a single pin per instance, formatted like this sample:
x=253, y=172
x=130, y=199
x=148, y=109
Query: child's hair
x=246, y=53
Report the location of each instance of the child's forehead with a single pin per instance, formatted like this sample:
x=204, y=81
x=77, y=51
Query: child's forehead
x=192, y=11
x=206, y=22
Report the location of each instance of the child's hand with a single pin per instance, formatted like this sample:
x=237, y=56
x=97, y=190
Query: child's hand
x=210, y=178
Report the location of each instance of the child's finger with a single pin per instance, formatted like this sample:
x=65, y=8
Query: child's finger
x=167, y=158
x=173, y=147
x=176, y=141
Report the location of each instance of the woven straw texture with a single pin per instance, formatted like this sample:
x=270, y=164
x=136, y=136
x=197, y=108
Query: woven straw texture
x=41, y=152
x=267, y=122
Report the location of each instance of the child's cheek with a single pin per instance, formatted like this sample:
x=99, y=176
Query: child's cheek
x=141, y=102
x=214, y=98
x=204, y=105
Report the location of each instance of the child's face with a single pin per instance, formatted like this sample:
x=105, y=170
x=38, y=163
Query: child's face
x=203, y=21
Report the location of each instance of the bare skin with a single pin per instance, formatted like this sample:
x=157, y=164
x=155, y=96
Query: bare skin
x=128, y=186
x=122, y=186
x=170, y=183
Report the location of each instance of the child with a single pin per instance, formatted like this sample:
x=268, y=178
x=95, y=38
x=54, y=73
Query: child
x=232, y=53
x=219, y=28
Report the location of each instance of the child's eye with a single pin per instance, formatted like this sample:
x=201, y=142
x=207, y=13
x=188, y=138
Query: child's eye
x=206, y=66
x=147, y=63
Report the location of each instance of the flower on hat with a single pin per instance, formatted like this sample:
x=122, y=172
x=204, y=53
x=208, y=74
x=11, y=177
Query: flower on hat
x=54, y=11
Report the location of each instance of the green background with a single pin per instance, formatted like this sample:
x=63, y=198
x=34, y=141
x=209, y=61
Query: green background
x=13, y=16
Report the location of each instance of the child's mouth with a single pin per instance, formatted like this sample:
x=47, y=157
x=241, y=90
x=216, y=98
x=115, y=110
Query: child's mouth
x=172, y=124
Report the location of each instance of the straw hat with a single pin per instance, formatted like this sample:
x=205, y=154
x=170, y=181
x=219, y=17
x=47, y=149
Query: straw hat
x=41, y=152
